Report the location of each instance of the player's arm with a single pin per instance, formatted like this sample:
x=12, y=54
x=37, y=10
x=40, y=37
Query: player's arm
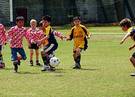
x=125, y=37
x=88, y=34
x=58, y=34
x=41, y=41
x=70, y=36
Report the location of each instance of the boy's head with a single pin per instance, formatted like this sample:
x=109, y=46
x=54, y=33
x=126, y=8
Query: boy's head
x=125, y=24
x=41, y=25
x=76, y=21
x=46, y=20
x=33, y=23
x=20, y=21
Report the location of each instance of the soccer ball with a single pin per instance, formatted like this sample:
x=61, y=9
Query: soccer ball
x=54, y=61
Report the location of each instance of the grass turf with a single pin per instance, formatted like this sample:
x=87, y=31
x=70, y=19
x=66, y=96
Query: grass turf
x=105, y=71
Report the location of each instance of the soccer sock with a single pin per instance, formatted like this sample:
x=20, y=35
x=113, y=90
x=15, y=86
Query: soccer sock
x=1, y=59
x=78, y=59
x=45, y=59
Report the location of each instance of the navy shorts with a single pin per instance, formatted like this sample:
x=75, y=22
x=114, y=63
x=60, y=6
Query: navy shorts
x=50, y=48
x=15, y=51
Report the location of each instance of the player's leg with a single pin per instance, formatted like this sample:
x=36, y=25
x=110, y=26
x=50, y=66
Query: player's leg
x=77, y=58
x=46, y=55
x=132, y=60
x=1, y=58
x=37, y=57
x=14, y=58
x=45, y=58
x=31, y=57
x=22, y=53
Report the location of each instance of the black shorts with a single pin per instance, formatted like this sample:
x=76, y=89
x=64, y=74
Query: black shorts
x=133, y=55
x=50, y=48
x=0, y=47
x=33, y=46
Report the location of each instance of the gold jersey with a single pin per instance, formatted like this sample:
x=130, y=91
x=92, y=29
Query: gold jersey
x=78, y=34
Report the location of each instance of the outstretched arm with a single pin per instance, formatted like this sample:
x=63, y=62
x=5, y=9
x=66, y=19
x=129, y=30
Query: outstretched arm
x=124, y=38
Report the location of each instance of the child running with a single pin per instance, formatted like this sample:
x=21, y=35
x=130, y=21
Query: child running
x=2, y=42
x=15, y=36
x=79, y=34
x=50, y=44
x=127, y=26
x=34, y=34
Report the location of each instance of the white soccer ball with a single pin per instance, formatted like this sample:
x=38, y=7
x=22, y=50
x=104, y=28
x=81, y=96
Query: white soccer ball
x=54, y=61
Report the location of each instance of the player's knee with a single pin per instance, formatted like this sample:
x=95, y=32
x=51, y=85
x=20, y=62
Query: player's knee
x=15, y=62
x=42, y=53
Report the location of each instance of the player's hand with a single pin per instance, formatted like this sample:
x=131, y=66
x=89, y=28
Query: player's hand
x=121, y=42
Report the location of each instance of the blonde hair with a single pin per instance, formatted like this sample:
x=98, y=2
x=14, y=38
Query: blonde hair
x=33, y=20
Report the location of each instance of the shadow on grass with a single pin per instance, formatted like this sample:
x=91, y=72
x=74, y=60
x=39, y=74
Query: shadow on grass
x=26, y=73
x=88, y=69
x=8, y=69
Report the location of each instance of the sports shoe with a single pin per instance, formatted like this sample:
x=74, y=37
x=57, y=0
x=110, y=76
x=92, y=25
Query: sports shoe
x=37, y=63
x=45, y=68
x=132, y=74
x=77, y=66
x=31, y=62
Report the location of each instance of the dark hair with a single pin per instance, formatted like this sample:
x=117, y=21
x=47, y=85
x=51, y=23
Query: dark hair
x=19, y=18
x=76, y=18
x=40, y=23
x=47, y=18
x=126, y=22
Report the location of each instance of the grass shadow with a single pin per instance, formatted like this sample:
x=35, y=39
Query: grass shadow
x=26, y=73
x=88, y=69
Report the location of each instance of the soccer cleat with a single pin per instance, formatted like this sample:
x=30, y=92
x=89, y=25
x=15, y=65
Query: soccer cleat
x=77, y=66
x=31, y=62
x=45, y=68
x=132, y=74
x=37, y=63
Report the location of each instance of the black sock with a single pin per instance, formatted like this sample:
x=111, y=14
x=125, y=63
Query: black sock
x=1, y=59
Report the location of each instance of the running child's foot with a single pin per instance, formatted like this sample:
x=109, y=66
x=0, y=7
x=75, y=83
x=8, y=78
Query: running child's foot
x=31, y=62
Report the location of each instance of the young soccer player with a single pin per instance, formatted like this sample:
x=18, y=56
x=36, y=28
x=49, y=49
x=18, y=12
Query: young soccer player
x=127, y=26
x=15, y=36
x=50, y=44
x=2, y=42
x=33, y=35
x=79, y=34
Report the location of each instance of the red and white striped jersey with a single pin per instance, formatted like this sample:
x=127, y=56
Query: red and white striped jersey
x=2, y=35
x=34, y=34
x=15, y=36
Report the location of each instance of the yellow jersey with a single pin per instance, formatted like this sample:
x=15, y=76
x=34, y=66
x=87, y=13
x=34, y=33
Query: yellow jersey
x=46, y=32
x=78, y=34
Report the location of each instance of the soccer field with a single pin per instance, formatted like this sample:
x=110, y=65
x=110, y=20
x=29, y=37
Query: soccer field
x=105, y=70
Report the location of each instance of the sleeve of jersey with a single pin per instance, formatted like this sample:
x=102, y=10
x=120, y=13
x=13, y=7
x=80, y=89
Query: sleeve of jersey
x=87, y=32
x=10, y=34
x=58, y=34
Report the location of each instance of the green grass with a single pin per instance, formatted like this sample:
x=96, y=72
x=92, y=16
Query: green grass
x=106, y=71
